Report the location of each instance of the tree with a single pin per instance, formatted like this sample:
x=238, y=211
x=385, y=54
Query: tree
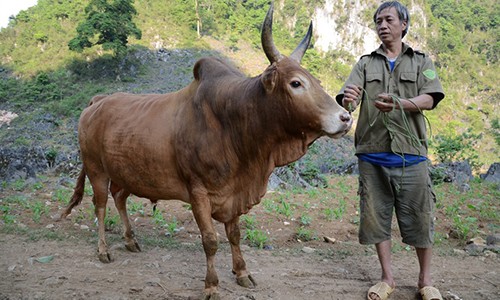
x=112, y=22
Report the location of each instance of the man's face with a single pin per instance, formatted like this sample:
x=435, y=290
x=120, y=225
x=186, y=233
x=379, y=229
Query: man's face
x=389, y=27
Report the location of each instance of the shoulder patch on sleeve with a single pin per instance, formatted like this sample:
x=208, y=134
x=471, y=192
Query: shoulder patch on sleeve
x=429, y=74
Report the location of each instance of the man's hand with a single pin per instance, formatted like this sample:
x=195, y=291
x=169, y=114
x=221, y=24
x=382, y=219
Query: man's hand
x=387, y=103
x=352, y=94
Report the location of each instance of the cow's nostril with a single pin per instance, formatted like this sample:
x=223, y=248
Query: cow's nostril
x=345, y=117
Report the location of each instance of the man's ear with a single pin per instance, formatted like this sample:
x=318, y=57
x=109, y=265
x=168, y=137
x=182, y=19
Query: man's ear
x=270, y=77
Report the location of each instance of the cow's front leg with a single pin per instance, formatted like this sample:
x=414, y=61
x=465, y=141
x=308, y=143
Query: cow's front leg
x=243, y=278
x=202, y=214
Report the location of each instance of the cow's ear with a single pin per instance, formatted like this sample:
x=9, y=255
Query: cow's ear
x=270, y=78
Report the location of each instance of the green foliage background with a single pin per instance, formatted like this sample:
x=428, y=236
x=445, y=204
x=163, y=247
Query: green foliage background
x=39, y=73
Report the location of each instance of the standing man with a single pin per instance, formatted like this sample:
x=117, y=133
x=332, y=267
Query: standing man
x=392, y=86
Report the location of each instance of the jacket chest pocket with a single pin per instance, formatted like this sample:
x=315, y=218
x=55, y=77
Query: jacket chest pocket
x=374, y=85
x=408, y=84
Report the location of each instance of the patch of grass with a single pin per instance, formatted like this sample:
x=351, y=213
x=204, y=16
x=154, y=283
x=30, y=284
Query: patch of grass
x=468, y=211
x=33, y=234
x=256, y=238
x=87, y=189
x=158, y=218
x=111, y=220
x=465, y=227
x=38, y=208
x=159, y=240
x=269, y=205
x=249, y=222
x=7, y=218
x=37, y=186
x=18, y=185
x=171, y=226
x=305, y=234
x=313, y=193
x=83, y=215
x=134, y=207
x=17, y=199
x=305, y=219
x=62, y=195
x=336, y=213
x=284, y=208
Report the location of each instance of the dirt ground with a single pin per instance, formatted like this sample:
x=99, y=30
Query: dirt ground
x=58, y=260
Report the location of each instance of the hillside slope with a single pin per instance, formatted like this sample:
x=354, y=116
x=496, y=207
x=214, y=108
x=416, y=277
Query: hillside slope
x=47, y=86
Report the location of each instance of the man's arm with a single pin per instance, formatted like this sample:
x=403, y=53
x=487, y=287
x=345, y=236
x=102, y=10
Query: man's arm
x=387, y=103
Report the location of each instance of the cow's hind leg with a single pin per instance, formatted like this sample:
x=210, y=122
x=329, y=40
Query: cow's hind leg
x=202, y=213
x=120, y=196
x=100, y=199
x=243, y=278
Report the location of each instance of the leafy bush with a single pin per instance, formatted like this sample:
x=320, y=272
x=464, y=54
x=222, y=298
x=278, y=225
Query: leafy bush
x=457, y=148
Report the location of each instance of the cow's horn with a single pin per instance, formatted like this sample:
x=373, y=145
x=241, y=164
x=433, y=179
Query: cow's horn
x=267, y=38
x=298, y=53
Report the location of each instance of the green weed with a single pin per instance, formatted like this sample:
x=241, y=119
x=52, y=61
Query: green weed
x=305, y=234
x=256, y=238
x=249, y=222
x=171, y=226
x=336, y=213
x=62, y=195
x=465, y=227
x=38, y=208
x=6, y=216
x=158, y=218
x=18, y=185
x=135, y=207
x=111, y=220
x=284, y=208
x=305, y=219
x=21, y=200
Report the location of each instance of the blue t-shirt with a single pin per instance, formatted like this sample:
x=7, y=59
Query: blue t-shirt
x=392, y=63
x=391, y=160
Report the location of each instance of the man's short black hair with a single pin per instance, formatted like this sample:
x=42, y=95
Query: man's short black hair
x=400, y=8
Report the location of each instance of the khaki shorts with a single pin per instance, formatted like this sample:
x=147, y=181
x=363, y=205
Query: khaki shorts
x=408, y=192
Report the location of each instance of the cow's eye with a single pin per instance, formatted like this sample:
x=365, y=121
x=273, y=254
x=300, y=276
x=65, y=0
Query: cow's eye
x=295, y=84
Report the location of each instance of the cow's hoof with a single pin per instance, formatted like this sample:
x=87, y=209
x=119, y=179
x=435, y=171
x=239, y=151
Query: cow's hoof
x=133, y=247
x=105, y=258
x=212, y=296
x=61, y=217
x=246, y=281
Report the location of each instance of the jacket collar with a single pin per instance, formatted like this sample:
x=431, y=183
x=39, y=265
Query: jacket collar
x=406, y=49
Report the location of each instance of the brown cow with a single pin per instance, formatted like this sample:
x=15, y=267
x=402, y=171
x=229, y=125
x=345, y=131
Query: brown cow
x=212, y=144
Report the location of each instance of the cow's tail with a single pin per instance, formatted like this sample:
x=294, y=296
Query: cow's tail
x=77, y=197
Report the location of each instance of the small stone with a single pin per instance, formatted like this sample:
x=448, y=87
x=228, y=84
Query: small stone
x=329, y=239
x=84, y=227
x=308, y=250
x=166, y=258
x=50, y=226
x=493, y=239
x=153, y=281
x=477, y=241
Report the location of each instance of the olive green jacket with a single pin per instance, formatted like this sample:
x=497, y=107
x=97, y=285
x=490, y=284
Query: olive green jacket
x=414, y=74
